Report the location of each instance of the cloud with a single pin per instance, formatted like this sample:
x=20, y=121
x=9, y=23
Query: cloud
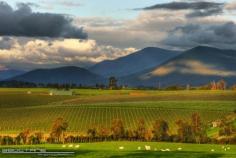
x=24, y=22
x=191, y=35
x=198, y=8
x=147, y=29
x=231, y=5
x=30, y=53
x=5, y=43
x=68, y=3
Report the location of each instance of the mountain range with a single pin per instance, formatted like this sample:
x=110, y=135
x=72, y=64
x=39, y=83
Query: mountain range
x=148, y=67
x=146, y=58
x=196, y=66
x=9, y=73
x=62, y=75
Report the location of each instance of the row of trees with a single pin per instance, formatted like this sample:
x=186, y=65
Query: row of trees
x=187, y=132
x=112, y=84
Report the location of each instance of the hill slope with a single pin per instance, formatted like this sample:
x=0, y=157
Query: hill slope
x=135, y=62
x=70, y=75
x=5, y=74
x=197, y=66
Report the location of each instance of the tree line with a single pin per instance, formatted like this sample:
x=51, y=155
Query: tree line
x=113, y=84
x=193, y=131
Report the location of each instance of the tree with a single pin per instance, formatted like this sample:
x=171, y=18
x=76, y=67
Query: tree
x=58, y=129
x=148, y=135
x=185, y=132
x=221, y=85
x=117, y=129
x=103, y=133
x=196, y=123
x=113, y=83
x=141, y=129
x=198, y=129
x=22, y=138
x=234, y=87
x=92, y=133
x=160, y=130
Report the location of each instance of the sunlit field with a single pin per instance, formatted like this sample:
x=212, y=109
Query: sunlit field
x=137, y=149
x=36, y=109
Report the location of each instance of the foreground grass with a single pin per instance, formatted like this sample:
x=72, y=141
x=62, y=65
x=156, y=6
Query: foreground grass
x=111, y=150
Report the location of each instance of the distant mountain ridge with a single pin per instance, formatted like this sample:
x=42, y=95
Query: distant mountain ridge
x=62, y=75
x=133, y=63
x=196, y=66
x=9, y=73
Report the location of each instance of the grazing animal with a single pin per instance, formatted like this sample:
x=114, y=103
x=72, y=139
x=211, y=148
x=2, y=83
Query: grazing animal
x=70, y=146
x=121, y=148
x=77, y=146
x=63, y=146
x=179, y=149
x=212, y=150
x=147, y=147
x=139, y=148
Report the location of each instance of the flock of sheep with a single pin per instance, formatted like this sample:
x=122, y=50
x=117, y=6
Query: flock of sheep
x=146, y=147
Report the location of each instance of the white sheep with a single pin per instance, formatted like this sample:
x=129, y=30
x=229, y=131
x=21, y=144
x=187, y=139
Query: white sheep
x=71, y=146
x=167, y=149
x=147, y=147
x=77, y=146
x=139, y=148
x=179, y=149
x=212, y=150
x=121, y=148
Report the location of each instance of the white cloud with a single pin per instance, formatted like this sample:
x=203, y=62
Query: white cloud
x=33, y=53
x=231, y=5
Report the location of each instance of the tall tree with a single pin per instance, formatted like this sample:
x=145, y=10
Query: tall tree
x=58, y=128
x=117, y=129
x=185, y=132
x=196, y=123
x=160, y=130
x=141, y=129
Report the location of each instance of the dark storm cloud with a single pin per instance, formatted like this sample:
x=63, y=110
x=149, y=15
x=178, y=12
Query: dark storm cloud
x=217, y=35
x=24, y=22
x=199, y=9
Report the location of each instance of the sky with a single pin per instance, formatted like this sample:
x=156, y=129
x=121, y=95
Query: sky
x=52, y=33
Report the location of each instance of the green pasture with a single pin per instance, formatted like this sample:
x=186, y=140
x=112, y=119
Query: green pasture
x=135, y=150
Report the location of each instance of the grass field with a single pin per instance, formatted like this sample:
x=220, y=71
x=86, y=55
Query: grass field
x=111, y=150
x=21, y=110
x=88, y=108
